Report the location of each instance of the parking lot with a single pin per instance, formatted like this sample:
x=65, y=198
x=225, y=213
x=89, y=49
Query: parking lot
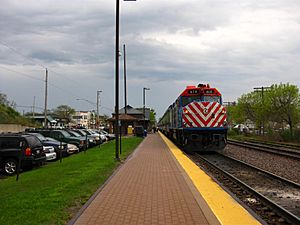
x=57, y=188
x=35, y=147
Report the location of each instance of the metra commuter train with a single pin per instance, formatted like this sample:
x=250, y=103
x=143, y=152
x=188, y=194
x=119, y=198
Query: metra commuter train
x=197, y=119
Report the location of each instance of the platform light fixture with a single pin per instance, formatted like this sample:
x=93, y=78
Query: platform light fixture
x=98, y=103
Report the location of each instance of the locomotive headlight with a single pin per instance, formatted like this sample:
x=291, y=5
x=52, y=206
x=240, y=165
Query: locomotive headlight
x=186, y=111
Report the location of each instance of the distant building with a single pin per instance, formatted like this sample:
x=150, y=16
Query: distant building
x=51, y=123
x=86, y=119
x=133, y=117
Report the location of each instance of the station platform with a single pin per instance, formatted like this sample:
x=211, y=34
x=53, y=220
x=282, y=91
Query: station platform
x=158, y=184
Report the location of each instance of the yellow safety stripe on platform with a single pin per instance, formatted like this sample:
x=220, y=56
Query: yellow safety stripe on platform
x=227, y=210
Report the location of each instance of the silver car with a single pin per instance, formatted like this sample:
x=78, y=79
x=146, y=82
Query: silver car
x=49, y=152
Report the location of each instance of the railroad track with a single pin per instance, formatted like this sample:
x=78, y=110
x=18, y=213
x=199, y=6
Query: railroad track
x=274, y=144
x=275, y=199
x=283, y=151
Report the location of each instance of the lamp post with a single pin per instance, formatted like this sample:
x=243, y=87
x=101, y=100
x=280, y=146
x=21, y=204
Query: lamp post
x=98, y=102
x=46, y=97
x=125, y=84
x=116, y=130
x=83, y=99
x=144, y=103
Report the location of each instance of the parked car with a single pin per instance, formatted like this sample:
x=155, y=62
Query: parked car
x=108, y=135
x=60, y=148
x=49, y=152
x=64, y=136
x=97, y=139
x=90, y=140
x=71, y=149
x=24, y=148
x=139, y=131
x=101, y=135
x=84, y=133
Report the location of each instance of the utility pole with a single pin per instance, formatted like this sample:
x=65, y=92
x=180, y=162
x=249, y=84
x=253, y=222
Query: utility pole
x=125, y=85
x=117, y=79
x=262, y=90
x=33, y=107
x=144, y=104
x=98, y=103
x=46, y=93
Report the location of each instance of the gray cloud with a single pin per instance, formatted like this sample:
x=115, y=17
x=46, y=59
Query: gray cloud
x=235, y=46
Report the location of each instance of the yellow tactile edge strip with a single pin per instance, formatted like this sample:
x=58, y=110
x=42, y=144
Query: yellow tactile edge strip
x=227, y=210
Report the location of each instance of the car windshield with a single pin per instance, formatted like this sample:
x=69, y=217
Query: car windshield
x=39, y=136
x=51, y=139
x=33, y=141
x=82, y=132
x=65, y=133
x=73, y=133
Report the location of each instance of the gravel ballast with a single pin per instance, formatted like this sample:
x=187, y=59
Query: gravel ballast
x=282, y=166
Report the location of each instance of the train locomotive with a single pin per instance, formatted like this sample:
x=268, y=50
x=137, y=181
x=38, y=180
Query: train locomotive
x=197, y=119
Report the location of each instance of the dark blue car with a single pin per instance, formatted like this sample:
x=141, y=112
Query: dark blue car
x=56, y=144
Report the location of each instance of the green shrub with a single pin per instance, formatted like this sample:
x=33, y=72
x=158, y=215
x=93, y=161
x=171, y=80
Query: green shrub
x=233, y=132
x=10, y=116
x=297, y=135
x=286, y=135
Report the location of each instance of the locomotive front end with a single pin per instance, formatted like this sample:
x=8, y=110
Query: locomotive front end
x=203, y=119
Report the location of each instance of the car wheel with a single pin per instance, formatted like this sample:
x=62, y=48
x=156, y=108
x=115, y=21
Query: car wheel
x=10, y=166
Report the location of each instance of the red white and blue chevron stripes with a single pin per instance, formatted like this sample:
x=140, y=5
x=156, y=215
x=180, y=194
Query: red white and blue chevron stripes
x=203, y=115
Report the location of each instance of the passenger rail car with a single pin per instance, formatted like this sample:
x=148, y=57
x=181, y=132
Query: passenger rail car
x=197, y=119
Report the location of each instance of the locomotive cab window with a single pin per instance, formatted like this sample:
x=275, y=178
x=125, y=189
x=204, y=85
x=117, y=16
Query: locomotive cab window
x=186, y=100
x=211, y=99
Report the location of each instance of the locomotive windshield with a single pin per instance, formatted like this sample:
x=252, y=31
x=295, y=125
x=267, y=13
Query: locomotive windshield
x=211, y=99
x=188, y=99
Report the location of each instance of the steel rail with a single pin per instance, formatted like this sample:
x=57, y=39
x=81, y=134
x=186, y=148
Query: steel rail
x=265, y=148
x=274, y=144
x=295, y=184
x=282, y=212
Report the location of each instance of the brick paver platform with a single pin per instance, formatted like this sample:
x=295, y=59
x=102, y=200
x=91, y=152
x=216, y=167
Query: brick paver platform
x=148, y=189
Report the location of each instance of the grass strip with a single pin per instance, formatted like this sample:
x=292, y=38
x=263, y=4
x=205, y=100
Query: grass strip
x=54, y=193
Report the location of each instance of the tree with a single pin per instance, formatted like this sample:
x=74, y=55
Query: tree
x=234, y=114
x=3, y=99
x=64, y=113
x=283, y=102
x=152, y=117
x=249, y=106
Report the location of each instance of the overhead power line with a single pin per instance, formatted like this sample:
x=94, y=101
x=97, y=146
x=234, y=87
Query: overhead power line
x=42, y=80
x=21, y=73
x=43, y=66
x=21, y=54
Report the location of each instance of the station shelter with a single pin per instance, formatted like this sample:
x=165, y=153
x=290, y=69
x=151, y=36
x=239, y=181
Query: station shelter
x=130, y=118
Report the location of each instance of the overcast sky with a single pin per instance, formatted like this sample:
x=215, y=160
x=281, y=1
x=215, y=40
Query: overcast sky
x=232, y=45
